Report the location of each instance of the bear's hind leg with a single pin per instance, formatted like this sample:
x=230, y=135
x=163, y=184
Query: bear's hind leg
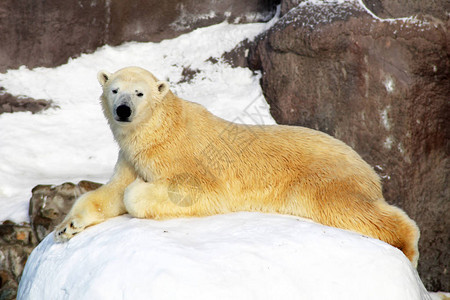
x=391, y=225
x=375, y=219
x=407, y=234
x=387, y=223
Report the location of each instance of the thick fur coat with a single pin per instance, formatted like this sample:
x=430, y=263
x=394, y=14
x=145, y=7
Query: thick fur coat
x=177, y=159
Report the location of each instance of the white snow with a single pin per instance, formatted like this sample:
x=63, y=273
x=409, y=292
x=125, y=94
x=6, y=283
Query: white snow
x=388, y=142
x=234, y=256
x=73, y=142
x=389, y=84
x=384, y=115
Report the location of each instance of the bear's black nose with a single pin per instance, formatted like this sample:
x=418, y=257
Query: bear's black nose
x=123, y=111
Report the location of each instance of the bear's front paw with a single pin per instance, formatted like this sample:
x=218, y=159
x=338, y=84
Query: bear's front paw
x=68, y=229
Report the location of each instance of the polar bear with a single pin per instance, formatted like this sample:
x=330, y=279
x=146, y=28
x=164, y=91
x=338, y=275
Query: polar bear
x=176, y=159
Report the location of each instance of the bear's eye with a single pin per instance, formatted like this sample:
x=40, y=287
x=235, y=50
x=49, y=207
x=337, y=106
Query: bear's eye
x=115, y=91
x=140, y=94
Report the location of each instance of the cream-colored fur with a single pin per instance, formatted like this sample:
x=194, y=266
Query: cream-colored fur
x=176, y=159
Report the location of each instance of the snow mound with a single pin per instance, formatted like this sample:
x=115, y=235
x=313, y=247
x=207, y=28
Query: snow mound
x=234, y=256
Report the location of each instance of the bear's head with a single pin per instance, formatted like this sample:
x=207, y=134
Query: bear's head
x=130, y=95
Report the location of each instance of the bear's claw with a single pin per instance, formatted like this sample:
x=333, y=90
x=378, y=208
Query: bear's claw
x=66, y=231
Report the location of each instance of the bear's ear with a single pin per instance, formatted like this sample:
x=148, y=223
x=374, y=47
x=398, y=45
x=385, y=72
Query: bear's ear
x=103, y=77
x=163, y=88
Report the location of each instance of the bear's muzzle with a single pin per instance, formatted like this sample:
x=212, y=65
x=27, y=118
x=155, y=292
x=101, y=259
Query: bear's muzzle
x=123, y=111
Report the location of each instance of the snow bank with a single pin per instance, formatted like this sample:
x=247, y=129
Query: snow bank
x=234, y=256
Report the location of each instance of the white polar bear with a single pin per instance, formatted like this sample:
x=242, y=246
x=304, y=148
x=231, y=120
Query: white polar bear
x=176, y=159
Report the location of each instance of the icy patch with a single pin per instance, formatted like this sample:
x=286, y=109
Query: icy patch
x=234, y=256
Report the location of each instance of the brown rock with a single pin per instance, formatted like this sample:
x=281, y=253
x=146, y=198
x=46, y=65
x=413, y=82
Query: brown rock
x=381, y=87
x=188, y=74
x=287, y=5
x=16, y=244
x=48, y=32
x=8, y=286
x=12, y=233
x=238, y=57
x=393, y=8
x=10, y=103
x=405, y=8
x=50, y=204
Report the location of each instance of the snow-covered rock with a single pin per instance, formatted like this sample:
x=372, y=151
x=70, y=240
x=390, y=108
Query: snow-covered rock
x=234, y=256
